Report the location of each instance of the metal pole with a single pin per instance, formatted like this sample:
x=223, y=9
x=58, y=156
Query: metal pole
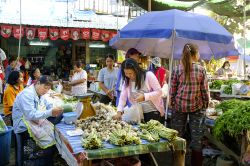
x=169, y=77
x=149, y=5
x=244, y=36
x=117, y=19
x=67, y=13
x=20, y=32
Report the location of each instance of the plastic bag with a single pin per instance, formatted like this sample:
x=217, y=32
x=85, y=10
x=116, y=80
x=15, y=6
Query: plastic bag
x=165, y=90
x=59, y=88
x=3, y=126
x=133, y=114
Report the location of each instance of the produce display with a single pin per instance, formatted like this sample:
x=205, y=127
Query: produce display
x=235, y=119
x=154, y=129
x=92, y=141
x=216, y=84
x=127, y=136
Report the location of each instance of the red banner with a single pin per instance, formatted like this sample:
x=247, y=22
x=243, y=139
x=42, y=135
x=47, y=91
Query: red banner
x=6, y=31
x=42, y=33
x=75, y=34
x=105, y=36
x=53, y=33
x=96, y=34
x=64, y=34
x=30, y=33
x=16, y=32
x=85, y=33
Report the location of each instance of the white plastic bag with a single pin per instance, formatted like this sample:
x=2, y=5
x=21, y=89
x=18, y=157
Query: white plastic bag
x=164, y=90
x=59, y=88
x=133, y=114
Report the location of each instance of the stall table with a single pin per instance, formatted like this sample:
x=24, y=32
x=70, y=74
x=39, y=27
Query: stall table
x=75, y=155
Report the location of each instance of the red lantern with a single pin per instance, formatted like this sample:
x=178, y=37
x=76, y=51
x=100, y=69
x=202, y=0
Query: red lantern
x=6, y=31
x=85, y=33
x=16, y=32
x=96, y=34
x=42, y=33
x=53, y=33
x=64, y=34
x=75, y=34
x=30, y=33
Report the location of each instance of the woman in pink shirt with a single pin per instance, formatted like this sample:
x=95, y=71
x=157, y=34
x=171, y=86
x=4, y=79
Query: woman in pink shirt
x=141, y=87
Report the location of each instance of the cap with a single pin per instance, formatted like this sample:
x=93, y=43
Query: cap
x=132, y=51
x=156, y=61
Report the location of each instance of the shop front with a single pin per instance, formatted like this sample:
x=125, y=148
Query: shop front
x=54, y=50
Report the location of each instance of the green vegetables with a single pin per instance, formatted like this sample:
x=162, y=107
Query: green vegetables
x=216, y=84
x=70, y=100
x=229, y=104
x=92, y=141
x=124, y=137
x=155, y=130
x=228, y=90
x=234, y=121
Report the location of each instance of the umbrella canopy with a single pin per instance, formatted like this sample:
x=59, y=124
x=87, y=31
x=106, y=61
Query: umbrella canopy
x=164, y=34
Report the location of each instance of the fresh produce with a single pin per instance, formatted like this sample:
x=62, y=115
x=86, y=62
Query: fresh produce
x=121, y=137
x=229, y=104
x=149, y=136
x=70, y=99
x=234, y=121
x=67, y=108
x=216, y=84
x=102, y=123
x=93, y=141
x=3, y=126
x=154, y=127
x=228, y=90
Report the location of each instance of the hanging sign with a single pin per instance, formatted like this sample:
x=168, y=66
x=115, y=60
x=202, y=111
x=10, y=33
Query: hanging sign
x=16, y=32
x=85, y=33
x=30, y=33
x=6, y=31
x=53, y=33
x=75, y=34
x=64, y=34
x=96, y=34
x=42, y=33
x=105, y=35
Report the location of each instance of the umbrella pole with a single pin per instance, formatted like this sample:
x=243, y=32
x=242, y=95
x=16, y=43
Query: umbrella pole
x=169, y=77
x=244, y=36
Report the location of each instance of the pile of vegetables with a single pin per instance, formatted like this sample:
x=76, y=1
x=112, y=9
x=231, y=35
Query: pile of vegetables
x=92, y=141
x=153, y=130
x=123, y=137
x=216, y=84
x=229, y=104
x=234, y=121
x=228, y=89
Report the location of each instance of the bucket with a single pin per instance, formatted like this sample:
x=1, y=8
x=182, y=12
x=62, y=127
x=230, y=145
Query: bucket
x=5, y=142
x=224, y=162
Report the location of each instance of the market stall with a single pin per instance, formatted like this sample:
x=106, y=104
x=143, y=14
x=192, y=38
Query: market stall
x=101, y=137
x=228, y=128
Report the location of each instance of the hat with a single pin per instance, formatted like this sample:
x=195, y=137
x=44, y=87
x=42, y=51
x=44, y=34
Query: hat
x=156, y=61
x=132, y=51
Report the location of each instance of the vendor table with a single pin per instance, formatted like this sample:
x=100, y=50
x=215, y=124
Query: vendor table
x=74, y=154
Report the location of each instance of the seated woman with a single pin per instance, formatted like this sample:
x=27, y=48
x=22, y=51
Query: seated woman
x=224, y=70
x=15, y=86
x=29, y=115
x=141, y=87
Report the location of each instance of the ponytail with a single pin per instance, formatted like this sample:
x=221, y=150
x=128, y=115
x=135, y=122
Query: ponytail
x=189, y=51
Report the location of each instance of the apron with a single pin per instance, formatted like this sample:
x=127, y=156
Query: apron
x=42, y=131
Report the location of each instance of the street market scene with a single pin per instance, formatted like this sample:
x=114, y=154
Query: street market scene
x=125, y=83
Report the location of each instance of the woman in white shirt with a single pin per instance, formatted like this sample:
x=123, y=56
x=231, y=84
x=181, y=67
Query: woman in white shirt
x=79, y=80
